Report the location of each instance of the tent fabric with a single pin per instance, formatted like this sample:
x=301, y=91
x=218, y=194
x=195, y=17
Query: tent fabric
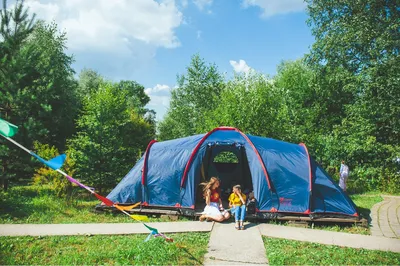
x=284, y=178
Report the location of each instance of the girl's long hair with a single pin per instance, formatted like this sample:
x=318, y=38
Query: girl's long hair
x=208, y=185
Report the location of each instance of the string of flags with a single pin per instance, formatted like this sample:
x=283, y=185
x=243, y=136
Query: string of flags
x=8, y=130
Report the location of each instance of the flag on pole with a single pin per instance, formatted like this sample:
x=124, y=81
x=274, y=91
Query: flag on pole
x=7, y=129
x=72, y=180
x=104, y=200
x=55, y=163
x=129, y=207
x=138, y=217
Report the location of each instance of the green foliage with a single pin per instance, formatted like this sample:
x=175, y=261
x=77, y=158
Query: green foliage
x=358, y=41
x=89, y=82
x=226, y=157
x=252, y=104
x=111, y=135
x=187, y=249
x=46, y=175
x=291, y=252
x=193, y=101
x=37, y=87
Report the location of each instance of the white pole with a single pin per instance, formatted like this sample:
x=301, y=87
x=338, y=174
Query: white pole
x=16, y=143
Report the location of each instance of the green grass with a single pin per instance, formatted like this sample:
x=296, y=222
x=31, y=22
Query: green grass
x=39, y=204
x=290, y=252
x=187, y=249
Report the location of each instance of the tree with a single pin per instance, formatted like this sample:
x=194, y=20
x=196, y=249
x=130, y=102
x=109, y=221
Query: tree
x=37, y=87
x=15, y=27
x=253, y=104
x=358, y=43
x=362, y=38
x=88, y=82
x=195, y=97
x=111, y=136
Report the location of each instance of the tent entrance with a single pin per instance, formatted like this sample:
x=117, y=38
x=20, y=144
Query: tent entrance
x=228, y=161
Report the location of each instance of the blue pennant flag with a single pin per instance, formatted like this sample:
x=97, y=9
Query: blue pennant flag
x=55, y=163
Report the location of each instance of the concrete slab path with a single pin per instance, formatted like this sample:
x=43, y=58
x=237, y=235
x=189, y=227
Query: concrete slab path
x=331, y=238
x=235, y=247
x=100, y=229
x=385, y=217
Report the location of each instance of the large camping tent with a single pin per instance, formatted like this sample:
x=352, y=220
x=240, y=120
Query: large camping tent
x=283, y=177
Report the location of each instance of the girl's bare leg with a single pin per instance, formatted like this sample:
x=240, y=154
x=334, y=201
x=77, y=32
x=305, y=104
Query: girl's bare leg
x=217, y=218
x=227, y=216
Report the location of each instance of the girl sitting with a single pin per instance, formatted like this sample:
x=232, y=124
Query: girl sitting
x=237, y=203
x=212, y=194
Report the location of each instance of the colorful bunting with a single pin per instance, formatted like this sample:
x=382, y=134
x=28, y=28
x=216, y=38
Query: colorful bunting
x=55, y=163
x=142, y=218
x=72, y=180
x=7, y=129
x=136, y=217
x=104, y=200
x=129, y=207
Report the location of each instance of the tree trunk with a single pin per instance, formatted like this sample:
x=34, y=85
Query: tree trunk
x=4, y=177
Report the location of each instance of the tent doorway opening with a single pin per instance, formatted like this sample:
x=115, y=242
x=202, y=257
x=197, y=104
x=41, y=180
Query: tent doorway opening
x=228, y=162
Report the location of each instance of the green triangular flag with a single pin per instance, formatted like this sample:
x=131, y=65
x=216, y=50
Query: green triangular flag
x=7, y=129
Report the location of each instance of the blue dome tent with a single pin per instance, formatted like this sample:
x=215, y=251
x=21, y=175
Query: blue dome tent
x=284, y=178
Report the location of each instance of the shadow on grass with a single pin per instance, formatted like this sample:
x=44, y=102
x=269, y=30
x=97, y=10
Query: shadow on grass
x=190, y=254
x=22, y=202
x=17, y=202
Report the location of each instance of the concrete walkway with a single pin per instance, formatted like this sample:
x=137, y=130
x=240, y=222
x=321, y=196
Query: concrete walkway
x=331, y=238
x=100, y=229
x=228, y=246
x=385, y=217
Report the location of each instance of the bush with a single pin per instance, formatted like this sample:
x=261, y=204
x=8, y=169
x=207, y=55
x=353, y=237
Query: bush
x=364, y=179
x=45, y=175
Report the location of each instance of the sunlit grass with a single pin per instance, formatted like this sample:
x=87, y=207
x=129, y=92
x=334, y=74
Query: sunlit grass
x=39, y=204
x=187, y=249
x=291, y=252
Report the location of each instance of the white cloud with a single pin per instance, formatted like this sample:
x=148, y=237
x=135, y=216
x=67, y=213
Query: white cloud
x=160, y=96
x=201, y=4
x=240, y=67
x=158, y=90
x=117, y=26
x=184, y=3
x=275, y=7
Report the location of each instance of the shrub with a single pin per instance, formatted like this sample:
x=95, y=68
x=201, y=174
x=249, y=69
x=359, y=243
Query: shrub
x=45, y=175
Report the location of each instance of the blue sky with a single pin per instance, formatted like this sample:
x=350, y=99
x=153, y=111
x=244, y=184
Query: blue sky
x=151, y=41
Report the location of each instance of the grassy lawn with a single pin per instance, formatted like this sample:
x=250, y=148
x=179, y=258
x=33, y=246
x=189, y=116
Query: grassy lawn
x=290, y=252
x=39, y=204
x=187, y=249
